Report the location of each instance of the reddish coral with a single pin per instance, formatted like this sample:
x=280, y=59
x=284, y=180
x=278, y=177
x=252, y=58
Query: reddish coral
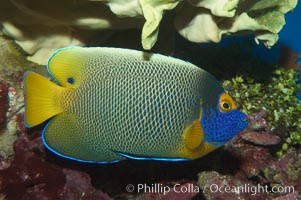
x=225, y=187
x=261, y=137
x=20, y=122
x=4, y=163
x=28, y=176
x=253, y=158
x=292, y=196
x=78, y=186
x=3, y=102
x=257, y=121
x=35, y=173
x=257, y=162
x=286, y=171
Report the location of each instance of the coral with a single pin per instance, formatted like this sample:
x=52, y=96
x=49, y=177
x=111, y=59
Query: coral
x=28, y=171
x=258, y=168
x=257, y=121
x=13, y=61
x=259, y=132
x=261, y=138
x=6, y=138
x=28, y=176
x=253, y=158
x=286, y=170
x=3, y=102
x=276, y=97
x=197, y=20
x=200, y=25
x=78, y=186
x=249, y=159
x=42, y=28
x=153, y=12
x=292, y=196
x=260, y=164
x=217, y=186
x=12, y=65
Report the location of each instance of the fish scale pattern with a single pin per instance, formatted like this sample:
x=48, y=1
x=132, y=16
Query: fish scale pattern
x=136, y=105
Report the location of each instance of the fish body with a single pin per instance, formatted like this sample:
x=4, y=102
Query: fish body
x=110, y=104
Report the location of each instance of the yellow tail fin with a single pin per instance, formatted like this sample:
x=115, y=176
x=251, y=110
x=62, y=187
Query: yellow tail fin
x=41, y=99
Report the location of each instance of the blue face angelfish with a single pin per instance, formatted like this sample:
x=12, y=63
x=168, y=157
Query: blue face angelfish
x=110, y=104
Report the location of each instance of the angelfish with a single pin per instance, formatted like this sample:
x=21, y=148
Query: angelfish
x=109, y=104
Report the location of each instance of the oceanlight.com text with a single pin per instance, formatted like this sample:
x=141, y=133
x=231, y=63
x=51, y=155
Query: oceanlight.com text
x=250, y=189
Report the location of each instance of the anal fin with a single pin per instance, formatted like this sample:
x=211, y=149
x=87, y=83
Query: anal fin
x=65, y=136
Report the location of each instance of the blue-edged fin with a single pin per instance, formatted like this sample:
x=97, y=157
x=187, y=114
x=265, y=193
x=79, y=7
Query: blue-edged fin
x=65, y=136
x=41, y=96
x=137, y=157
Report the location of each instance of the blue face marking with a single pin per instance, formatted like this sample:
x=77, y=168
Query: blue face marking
x=70, y=80
x=221, y=127
x=68, y=157
x=134, y=157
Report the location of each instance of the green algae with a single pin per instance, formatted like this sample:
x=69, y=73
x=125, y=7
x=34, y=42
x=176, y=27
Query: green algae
x=276, y=97
x=255, y=84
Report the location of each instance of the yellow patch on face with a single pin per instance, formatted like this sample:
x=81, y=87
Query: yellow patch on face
x=67, y=66
x=226, y=103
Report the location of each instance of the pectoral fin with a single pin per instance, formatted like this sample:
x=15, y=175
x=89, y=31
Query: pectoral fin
x=194, y=135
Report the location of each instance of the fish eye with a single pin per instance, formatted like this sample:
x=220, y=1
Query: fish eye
x=225, y=106
x=70, y=80
x=226, y=103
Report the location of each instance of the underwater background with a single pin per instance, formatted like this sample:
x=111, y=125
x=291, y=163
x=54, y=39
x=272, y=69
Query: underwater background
x=263, y=81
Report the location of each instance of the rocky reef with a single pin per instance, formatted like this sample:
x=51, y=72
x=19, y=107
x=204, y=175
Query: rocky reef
x=262, y=162
x=254, y=165
x=261, y=174
x=276, y=98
